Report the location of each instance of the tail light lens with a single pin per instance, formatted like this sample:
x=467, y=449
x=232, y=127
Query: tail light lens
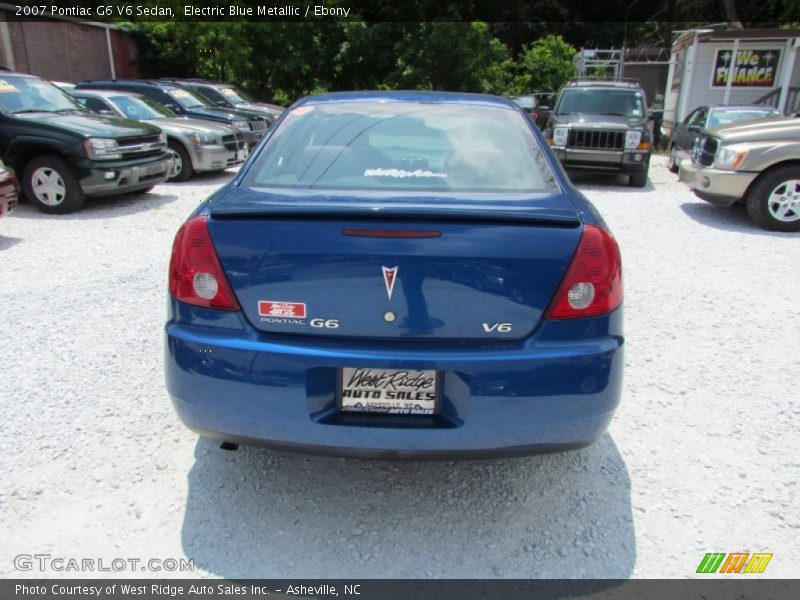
x=195, y=274
x=593, y=283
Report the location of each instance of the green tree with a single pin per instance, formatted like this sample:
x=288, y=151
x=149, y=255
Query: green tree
x=543, y=66
x=448, y=56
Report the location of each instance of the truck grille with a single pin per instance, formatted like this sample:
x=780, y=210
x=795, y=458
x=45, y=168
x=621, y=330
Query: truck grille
x=258, y=125
x=232, y=143
x=704, y=150
x=148, y=145
x=595, y=139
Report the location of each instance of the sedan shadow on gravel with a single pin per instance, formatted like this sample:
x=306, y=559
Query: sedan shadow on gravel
x=603, y=181
x=727, y=218
x=6, y=241
x=263, y=513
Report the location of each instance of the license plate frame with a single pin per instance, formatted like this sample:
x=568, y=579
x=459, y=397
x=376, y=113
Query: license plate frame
x=404, y=407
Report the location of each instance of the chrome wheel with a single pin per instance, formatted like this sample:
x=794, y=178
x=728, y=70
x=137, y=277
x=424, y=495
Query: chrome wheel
x=784, y=201
x=48, y=186
x=176, y=170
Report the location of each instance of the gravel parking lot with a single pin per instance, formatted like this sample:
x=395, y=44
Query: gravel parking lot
x=703, y=454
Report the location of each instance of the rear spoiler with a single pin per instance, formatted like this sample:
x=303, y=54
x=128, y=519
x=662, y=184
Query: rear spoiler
x=361, y=212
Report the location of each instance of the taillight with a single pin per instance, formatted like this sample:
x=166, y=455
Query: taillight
x=195, y=274
x=593, y=283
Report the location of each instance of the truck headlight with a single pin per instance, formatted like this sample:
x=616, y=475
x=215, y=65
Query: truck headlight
x=560, y=136
x=203, y=139
x=729, y=157
x=242, y=125
x=162, y=137
x=632, y=139
x=102, y=148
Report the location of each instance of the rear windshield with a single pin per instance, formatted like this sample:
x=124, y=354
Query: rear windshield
x=725, y=117
x=403, y=146
x=620, y=103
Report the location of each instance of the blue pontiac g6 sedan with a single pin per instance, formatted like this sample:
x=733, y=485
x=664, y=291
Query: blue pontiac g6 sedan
x=397, y=274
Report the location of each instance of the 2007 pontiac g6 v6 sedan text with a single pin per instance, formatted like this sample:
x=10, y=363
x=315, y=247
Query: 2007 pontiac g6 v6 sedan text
x=397, y=274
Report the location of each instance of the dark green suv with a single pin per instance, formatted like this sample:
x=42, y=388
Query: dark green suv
x=602, y=126
x=62, y=153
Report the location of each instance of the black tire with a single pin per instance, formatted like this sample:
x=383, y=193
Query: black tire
x=186, y=169
x=50, y=201
x=758, y=200
x=672, y=165
x=639, y=179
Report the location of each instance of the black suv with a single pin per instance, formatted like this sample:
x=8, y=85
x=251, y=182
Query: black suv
x=228, y=96
x=62, y=153
x=602, y=126
x=186, y=103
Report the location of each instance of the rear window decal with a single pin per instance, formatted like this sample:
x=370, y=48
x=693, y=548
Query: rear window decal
x=402, y=173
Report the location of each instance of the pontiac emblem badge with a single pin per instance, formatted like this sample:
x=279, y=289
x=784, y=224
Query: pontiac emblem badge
x=389, y=277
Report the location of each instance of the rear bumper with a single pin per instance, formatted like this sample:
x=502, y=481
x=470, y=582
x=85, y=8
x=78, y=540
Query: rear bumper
x=553, y=391
x=105, y=178
x=604, y=160
x=715, y=185
x=7, y=205
x=8, y=194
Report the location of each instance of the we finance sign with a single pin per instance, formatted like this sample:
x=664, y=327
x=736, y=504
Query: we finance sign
x=752, y=68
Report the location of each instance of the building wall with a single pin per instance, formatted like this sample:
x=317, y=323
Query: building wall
x=63, y=50
x=652, y=77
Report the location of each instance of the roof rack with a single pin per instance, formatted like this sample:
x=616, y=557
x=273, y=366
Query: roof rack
x=624, y=82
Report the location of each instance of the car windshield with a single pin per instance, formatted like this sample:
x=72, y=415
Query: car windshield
x=29, y=94
x=234, y=96
x=186, y=98
x=725, y=117
x=403, y=146
x=594, y=101
x=141, y=108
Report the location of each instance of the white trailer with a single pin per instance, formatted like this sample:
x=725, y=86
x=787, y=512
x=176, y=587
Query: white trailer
x=732, y=66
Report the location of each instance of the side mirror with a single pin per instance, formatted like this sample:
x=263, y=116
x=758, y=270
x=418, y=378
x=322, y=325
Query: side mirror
x=172, y=106
x=695, y=128
x=543, y=108
x=106, y=112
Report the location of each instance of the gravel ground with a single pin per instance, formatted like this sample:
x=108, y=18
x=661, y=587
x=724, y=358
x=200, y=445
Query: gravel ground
x=702, y=455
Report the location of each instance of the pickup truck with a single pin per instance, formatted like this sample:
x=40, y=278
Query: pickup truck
x=755, y=163
x=62, y=153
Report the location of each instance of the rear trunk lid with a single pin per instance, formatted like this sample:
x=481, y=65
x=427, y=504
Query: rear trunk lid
x=399, y=266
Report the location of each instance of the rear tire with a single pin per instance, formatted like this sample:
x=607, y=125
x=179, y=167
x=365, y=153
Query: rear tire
x=184, y=169
x=51, y=186
x=672, y=165
x=773, y=201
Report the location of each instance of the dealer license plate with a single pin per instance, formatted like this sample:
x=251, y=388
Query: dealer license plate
x=391, y=391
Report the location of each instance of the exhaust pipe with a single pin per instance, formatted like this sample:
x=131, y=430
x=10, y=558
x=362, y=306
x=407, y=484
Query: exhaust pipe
x=229, y=446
